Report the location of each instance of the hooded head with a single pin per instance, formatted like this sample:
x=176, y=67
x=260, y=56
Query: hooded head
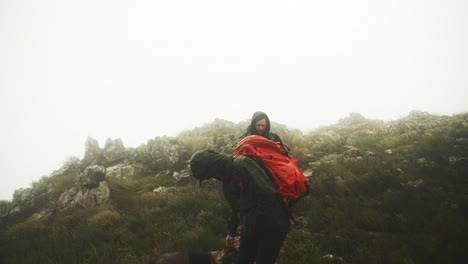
x=257, y=116
x=207, y=164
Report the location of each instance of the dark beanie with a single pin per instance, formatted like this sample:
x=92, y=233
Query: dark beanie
x=206, y=164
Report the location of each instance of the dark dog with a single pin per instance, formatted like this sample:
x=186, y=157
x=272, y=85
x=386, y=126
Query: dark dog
x=215, y=257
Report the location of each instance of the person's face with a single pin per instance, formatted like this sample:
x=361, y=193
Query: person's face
x=260, y=126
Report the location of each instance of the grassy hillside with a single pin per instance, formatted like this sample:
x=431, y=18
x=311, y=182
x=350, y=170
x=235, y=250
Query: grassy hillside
x=384, y=192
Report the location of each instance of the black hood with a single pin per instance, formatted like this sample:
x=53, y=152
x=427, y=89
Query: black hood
x=255, y=118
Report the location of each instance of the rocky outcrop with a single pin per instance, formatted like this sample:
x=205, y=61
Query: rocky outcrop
x=73, y=165
x=26, y=202
x=92, y=176
x=130, y=171
x=78, y=197
x=44, y=214
x=31, y=204
x=23, y=199
x=92, y=152
x=82, y=183
x=162, y=153
x=90, y=191
x=161, y=157
x=114, y=151
x=4, y=209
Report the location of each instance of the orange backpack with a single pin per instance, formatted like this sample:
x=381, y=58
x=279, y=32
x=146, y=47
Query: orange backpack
x=288, y=177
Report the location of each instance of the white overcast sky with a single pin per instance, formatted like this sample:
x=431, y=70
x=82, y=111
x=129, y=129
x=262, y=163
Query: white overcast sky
x=139, y=69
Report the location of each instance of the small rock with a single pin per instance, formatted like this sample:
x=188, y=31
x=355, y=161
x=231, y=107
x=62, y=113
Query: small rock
x=162, y=189
x=413, y=184
x=329, y=258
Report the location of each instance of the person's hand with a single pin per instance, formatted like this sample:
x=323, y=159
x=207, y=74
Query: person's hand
x=229, y=241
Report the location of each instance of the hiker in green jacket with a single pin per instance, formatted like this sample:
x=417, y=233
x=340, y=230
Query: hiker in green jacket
x=255, y=204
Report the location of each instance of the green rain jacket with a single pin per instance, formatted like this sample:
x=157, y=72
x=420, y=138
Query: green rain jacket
x=253, y=199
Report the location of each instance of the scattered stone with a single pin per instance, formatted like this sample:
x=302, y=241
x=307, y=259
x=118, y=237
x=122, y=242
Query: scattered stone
x=339, y=180
x=458, y=162
x=181, y=176
x=299, y=220
x=462, y=140
x=329, y=258
x=352, y=152
x=162, y=189
x=308, y=173
x=413, y=184
x=423, y=162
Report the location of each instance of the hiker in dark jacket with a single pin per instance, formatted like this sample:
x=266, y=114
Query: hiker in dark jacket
x=260, y=125
x=255, y=204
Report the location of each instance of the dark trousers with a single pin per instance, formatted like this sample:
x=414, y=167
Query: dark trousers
x=261, y=247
